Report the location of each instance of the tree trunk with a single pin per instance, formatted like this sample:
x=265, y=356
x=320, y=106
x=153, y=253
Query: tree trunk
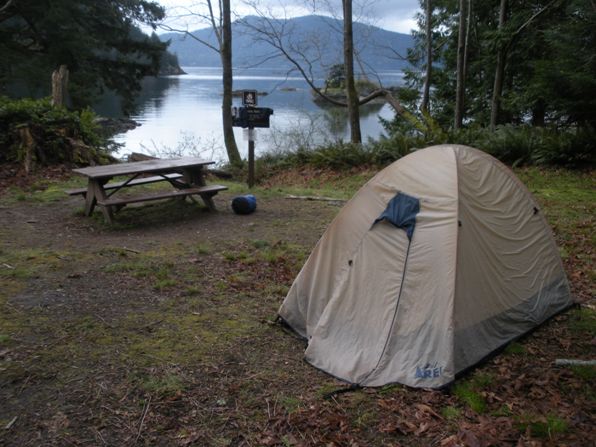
x=60, y=86
x=466, y=46
x=499, y=71
x=429, y=57
x=226, y=62
x=352, y=95
x=539, y=114
x=460, y=82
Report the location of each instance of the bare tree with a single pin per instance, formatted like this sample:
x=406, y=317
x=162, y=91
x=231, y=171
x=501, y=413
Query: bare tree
x=276, y=33
x=461, y=57
x=428, y=14
x=222, y=28
x=351, y=93
x=4, y=9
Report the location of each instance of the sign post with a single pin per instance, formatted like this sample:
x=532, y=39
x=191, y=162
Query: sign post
x=251, y=157
x=249, y=99
x=248, y=117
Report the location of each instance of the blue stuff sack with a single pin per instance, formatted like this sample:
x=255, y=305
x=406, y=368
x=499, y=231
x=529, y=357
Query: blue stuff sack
x=244, y=204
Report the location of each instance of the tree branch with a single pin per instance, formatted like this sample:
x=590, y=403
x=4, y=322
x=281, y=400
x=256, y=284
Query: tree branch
x=191, y=35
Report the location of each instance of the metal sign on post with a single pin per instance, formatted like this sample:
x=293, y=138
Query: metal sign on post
x=249, y=98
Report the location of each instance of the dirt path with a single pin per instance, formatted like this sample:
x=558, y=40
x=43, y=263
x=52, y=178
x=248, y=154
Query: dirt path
x=159, y=331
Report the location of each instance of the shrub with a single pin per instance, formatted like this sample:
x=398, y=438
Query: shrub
x=50, y=133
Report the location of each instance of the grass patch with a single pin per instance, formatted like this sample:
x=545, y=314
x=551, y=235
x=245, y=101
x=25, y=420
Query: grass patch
x=43, y=191
x=583, y=321
x=203, y=249
x=162, y=284
x=325, y=390
x=290, y=403
x=259, y=244
x=543, y=427
x=167, y=385
x=584, y=372
x=451, y=413
x=470, y=391
x=31, y=263
x=466, y=393
x=515, y=348
x=502, y=411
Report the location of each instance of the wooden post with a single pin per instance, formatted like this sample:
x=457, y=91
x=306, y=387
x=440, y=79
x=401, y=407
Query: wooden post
x=251, y=157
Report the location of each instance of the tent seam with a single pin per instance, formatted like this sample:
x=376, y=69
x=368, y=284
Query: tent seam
x=455, y=268
x=401, y=288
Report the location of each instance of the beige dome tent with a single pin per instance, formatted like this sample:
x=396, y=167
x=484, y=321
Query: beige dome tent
x=439, y=260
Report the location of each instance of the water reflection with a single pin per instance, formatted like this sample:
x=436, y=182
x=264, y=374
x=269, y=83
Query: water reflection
x=182, y=114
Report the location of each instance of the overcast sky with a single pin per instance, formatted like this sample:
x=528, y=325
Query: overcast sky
x=394, y=15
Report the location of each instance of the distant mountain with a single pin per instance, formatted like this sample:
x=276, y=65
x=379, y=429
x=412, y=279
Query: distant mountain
x=318, y=37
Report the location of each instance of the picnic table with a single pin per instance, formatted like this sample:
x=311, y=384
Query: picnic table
x=184, y=174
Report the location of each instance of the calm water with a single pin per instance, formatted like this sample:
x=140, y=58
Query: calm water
x=180, y=115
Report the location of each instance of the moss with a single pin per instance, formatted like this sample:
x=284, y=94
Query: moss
x=451, y=413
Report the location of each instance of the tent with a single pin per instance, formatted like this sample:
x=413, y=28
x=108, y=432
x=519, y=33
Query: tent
x=438, y=261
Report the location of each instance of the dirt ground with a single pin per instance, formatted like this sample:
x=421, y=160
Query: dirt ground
x=160, y=330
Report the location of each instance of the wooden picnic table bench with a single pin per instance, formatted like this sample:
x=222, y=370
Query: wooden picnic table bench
x=184, y=174
x=135, y=182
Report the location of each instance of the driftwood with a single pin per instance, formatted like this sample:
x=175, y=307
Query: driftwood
x=573, y=362
x=317, y=198
x=137, y=156
x=11, y=423
x=219, y=173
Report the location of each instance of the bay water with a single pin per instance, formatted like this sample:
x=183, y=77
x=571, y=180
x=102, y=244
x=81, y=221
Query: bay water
x=181, y=115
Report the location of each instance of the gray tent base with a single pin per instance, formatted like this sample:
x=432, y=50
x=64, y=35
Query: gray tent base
x=446, y=387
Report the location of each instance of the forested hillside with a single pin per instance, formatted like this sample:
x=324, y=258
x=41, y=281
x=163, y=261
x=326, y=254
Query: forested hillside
x=376, y=48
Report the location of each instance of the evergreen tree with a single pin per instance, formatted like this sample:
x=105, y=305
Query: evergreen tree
x=96, y=39
x=545, y=50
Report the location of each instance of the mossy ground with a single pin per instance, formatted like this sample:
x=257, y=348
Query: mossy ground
x=160, y=330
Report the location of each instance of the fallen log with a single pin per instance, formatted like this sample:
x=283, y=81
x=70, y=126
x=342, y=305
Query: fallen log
x=574, y=362
x=317, y=198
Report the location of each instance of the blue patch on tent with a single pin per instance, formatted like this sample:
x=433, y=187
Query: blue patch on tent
x=401, y=211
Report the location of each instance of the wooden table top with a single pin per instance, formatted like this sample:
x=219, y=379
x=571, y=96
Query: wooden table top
x=137, y=167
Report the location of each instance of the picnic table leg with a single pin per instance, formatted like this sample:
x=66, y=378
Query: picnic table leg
x=100, y=193
x=194, y=177
x=90, y=199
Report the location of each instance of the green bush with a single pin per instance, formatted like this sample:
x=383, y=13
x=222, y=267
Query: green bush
x=58, y=135
x=526, y=145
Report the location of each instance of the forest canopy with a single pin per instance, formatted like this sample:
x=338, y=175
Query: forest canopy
x=522, y=62
x=97, y=40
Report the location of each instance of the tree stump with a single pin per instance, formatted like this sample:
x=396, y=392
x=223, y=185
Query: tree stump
x=60, y=86
x=27, y=147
